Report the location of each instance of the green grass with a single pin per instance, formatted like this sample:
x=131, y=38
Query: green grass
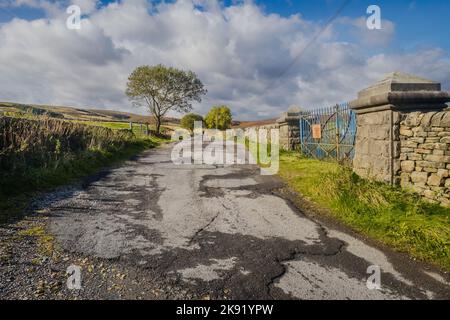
x=121, y=126
x=389, y=214
x=112, y=125
x=22, y=189
x=115, y=125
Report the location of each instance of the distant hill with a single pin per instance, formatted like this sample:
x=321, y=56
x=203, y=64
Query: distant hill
x=72, y=113
x=246, y=124
x=80, y=114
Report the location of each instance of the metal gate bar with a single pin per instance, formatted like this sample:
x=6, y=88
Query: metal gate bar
x=336, y=137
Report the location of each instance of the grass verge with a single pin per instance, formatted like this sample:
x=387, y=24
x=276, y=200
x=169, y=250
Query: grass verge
x=391, y=215
x=17, y=192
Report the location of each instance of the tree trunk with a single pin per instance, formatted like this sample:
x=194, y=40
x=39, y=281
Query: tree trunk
x=158, y=125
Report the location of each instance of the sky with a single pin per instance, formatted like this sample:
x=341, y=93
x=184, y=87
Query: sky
x=258, y=57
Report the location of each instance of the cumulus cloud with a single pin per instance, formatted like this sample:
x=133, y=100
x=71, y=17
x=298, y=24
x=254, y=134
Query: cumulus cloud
x=357, y=28
x=242, y=54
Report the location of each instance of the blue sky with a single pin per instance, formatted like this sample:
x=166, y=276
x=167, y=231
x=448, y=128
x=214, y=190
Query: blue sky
x=419, y=23
x=238, y=49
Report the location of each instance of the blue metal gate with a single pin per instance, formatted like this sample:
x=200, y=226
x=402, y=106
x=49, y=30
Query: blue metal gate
x=328, y=133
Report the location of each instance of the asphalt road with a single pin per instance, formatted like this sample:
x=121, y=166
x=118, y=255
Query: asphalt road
x=228, y=232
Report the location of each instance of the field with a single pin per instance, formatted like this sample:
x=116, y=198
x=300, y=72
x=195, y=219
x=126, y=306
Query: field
x=92, y=116
x=388, y=214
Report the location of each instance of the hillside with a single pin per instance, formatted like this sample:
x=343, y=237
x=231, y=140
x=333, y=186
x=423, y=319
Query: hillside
x=99, y=115
x=79, y=114
x=247, y=124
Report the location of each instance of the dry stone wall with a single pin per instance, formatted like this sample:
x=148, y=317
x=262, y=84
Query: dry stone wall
x=425, y=154
x=289, y=128
x=402, y=138
x=289, y=134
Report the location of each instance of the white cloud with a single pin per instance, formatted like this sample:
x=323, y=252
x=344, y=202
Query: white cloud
x=239, y=52
x=357, y=28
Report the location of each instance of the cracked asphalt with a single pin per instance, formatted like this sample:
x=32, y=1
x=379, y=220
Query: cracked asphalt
x=216, y=232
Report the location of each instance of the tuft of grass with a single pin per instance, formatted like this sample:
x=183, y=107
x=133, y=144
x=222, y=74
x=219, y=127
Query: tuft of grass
x=389, y=214
x=45, y=241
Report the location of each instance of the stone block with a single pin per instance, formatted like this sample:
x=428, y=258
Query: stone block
x=418, y=129
x=406, y=132
x=438, y=152
x=435, y=180
x=443, y=173
x=447, y=183
x=423, y=151
x=419, y=177
x=409, y=144
x=426, y=120
x=381, y=164
x=445, y=121
x=437, y=158
x=417, y=139
x=418, y=188
x=405, y=178
x=436, y=119
x=374, y=118
x=408, y=166
x=413, y=119
x=421, y=134
x=380, y=147
x=428, y=146
x=429, y=194
x=440, y=146
x=414, y=156
x=430, y=164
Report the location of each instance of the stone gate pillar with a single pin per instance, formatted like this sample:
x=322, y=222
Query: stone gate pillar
x=379, y=110
x=289, y=125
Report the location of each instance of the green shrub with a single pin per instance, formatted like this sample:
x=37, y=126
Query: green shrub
x=39, y=154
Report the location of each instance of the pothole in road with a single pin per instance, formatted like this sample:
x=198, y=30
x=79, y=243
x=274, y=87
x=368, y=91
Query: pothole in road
x=309, y=280
x=230, y=183
x=208, y=272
